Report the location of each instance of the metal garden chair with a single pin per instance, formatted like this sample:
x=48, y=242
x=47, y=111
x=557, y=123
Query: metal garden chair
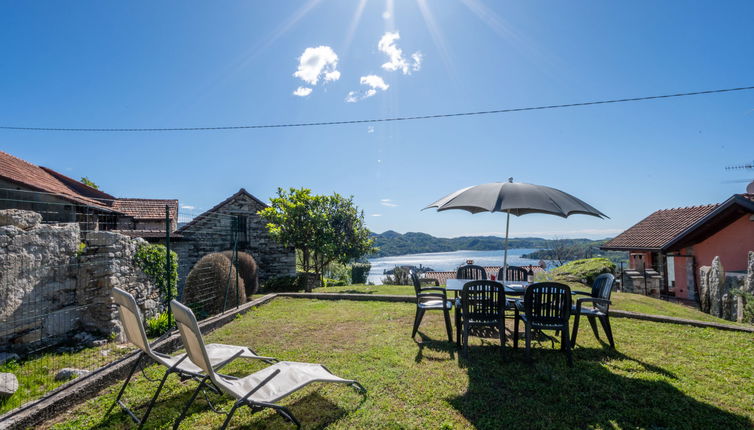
x=427, y=299
x=599, y=299
x=218, y=355
x=546, y=306
x=259, y=390
x=482, y=305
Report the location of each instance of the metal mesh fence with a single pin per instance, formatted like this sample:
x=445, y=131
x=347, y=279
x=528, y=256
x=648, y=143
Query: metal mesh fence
x=60, y=257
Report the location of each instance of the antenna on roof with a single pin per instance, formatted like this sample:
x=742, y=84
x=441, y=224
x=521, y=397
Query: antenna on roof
x=748, y=166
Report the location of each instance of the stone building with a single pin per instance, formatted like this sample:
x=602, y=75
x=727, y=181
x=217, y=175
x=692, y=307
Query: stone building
x=59, y=198
x=212, y=231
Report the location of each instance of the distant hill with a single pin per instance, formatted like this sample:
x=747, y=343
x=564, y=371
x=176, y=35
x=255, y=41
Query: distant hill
x=394, y=243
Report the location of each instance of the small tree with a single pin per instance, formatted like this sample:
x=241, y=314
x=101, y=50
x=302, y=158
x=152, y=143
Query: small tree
x=88, y=182
x=324, y=229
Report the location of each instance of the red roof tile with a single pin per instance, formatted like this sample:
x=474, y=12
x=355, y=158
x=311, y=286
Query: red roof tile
x=42, y=179
x=659, y=229
x=146, y=209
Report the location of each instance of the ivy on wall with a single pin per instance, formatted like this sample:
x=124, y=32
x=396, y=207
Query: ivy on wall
x=151, y=259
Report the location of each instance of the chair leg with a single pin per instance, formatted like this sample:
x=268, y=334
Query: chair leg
x=458, y=328
x=567, y=344
x=593, y=323
x=230, y=415
x=465, y=341
x=417, y=320
x=608, y=330
x=128, y=379
x=515, y=330
x=154, y=398
x=576, y=319
x=188, y=405
x=448, y=327
x=502, y=335
x=527, y=329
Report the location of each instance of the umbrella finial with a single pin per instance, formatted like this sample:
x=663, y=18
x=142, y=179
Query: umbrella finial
x=510, y=179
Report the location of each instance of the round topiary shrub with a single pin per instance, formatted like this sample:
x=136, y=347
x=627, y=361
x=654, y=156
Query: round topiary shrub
x=206, y=284
x=247, y=269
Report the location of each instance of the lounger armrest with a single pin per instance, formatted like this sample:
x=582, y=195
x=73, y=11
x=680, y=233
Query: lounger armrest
x=261, y=384
x=225, y=362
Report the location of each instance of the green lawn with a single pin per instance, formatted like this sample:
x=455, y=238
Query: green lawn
x=661, y=376
x=624, y=301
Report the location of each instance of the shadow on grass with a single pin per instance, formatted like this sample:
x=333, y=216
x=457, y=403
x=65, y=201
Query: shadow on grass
x=312, y=410
x=439, y=345
x=506, y=392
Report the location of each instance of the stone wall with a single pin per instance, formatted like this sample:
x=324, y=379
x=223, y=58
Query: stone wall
x=52, y=289
x=716, y=289
x=211, y=232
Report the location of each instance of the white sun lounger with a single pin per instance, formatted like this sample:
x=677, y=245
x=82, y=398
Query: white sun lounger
x=260, y=389
x=218, y=355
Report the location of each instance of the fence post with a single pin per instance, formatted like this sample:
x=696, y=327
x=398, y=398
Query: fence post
x=168, y=265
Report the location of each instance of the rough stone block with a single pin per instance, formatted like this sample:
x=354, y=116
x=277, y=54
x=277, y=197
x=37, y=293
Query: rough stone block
x=24, y=220
x=70, y=373
x=8, y=385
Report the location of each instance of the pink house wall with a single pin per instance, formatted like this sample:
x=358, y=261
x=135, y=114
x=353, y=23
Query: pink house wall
x=732, y=244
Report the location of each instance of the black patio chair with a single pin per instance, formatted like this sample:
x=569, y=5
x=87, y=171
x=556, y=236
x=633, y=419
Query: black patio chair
x=599, y=299
x=546, y=306
x=514, y=273
x=427, y=299
x=471, y=272
x=482, y=305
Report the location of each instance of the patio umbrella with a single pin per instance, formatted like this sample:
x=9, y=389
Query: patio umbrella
x=514, y=198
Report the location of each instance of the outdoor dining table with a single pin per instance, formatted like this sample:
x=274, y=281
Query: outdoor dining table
x=513, y=288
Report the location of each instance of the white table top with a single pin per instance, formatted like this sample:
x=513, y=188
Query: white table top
x=510, y=286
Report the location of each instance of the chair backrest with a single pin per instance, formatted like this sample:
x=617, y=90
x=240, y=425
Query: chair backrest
x=514, y=273
x=191, y=337
x=547, y=303
x=415, y=280
x=130, y=317
x=483, y=300
x=602, y=287
x=471, y=271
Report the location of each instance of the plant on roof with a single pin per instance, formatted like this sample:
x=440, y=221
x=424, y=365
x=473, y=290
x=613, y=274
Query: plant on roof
x=325, y=229
x=86, y=181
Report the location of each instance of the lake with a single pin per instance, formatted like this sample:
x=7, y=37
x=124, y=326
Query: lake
x=446, y=261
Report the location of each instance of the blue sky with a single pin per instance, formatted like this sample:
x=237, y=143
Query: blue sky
x=178, y=64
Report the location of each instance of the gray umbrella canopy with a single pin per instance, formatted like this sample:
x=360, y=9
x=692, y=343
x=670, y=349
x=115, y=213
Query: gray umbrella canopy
x=515, y=198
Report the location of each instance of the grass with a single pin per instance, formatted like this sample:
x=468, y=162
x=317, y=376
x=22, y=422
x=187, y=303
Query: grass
x=623, y=301
x=36, y=375
x=661, y=376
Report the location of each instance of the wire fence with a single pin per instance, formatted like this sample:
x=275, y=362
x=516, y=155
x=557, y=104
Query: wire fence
x=61, y=256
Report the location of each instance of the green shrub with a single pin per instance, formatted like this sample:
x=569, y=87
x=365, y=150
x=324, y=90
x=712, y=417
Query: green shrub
x=284, y=284
x=334, y=282
x=207, y=282
x=583, y=270
x=158, y=325
x=339, y=272
x=247, y=269
x=151, y=259
x=748, y=300
x=359, y=272
x=80, y=249
x=399, y=277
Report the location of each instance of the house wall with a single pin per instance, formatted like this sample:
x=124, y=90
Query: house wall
x=732, y=244
x=212, y=233
x=52, y=209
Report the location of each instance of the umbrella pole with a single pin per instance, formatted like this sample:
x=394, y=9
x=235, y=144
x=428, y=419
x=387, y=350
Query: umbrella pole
x=505, y=254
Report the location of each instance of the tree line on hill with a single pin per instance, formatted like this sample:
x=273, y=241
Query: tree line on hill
x=392, y=243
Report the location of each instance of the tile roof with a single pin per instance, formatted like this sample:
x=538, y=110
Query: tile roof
x=42, y=179
x=146, y=209
x=659, y=228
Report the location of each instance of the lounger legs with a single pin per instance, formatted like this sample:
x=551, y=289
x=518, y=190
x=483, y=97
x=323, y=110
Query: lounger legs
x=154, y=399
x=123, y=388
x=188, y=405
x=230, y=414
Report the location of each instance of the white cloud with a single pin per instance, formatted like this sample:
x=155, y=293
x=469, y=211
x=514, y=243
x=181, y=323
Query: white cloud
x=189, y=207
x=389, y=203
x=374, y=82
x=376, y=214
x=302, y=91
x=395, y=54
x=370, y=129
x=315, y=64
